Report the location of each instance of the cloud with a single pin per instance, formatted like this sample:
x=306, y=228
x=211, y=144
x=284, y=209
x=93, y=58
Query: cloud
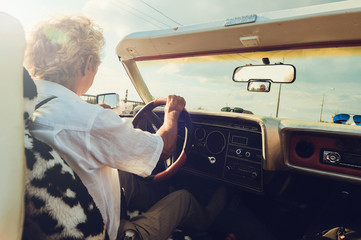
x=169, y=69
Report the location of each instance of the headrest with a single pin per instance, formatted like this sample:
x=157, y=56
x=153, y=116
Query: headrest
x=30, y=95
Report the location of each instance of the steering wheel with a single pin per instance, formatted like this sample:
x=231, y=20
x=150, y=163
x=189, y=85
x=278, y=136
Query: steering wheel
x=147, y=120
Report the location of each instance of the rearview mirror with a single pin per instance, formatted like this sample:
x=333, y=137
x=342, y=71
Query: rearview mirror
x=277, y=73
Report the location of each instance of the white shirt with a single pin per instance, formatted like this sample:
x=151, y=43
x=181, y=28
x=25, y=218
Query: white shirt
x=95, y=142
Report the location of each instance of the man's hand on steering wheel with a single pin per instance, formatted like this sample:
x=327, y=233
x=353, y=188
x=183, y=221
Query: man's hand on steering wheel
x=168, y=131
x=174, y=104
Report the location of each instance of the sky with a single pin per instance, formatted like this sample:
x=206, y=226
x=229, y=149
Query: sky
x=121, y=17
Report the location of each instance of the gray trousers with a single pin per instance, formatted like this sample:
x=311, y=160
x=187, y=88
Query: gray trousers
x=162, y=212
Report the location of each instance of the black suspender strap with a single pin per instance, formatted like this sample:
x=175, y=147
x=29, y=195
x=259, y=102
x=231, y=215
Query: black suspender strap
x=44, y=101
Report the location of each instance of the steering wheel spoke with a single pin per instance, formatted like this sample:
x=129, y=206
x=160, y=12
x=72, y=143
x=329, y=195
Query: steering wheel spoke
x=155, y=121
x=150, y=122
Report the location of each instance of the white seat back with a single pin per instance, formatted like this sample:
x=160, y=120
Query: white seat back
x=12, y=163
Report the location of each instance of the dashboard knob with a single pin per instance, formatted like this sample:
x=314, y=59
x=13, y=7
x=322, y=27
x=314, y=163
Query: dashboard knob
x=212, y=160
x=332, y=157
x=229, y=168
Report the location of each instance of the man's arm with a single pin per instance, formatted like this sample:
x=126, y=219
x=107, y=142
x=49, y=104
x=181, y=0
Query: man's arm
x=168, y=131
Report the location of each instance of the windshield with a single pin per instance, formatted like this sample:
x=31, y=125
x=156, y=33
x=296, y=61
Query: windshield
x=327, y=83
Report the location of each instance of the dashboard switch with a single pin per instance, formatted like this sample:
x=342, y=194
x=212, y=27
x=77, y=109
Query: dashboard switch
x=254, y=175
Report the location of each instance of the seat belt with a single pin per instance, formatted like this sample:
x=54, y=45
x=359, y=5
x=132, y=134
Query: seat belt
x=44, y=102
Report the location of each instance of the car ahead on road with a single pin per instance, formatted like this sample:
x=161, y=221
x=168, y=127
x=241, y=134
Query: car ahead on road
x=278, y=77
x=290, y=165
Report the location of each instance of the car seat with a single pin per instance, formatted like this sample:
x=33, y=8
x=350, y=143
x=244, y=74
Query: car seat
x=12, y=46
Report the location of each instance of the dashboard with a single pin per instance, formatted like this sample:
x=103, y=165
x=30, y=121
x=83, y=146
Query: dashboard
x=240, y=149
x=237, y=149
x=228, y=150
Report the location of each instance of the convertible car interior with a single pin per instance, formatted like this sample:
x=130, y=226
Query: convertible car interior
x=273, y=115
x=286, y=160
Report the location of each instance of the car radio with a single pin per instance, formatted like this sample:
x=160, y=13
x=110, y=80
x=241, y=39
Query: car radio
x=344, y=159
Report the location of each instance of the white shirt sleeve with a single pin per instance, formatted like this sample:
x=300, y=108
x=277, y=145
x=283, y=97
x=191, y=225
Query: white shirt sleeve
x=114, y=142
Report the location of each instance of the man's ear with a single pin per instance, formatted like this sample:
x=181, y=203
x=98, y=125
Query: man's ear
x=90, y=64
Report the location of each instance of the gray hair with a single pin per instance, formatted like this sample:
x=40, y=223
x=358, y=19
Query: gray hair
x=58, y=49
